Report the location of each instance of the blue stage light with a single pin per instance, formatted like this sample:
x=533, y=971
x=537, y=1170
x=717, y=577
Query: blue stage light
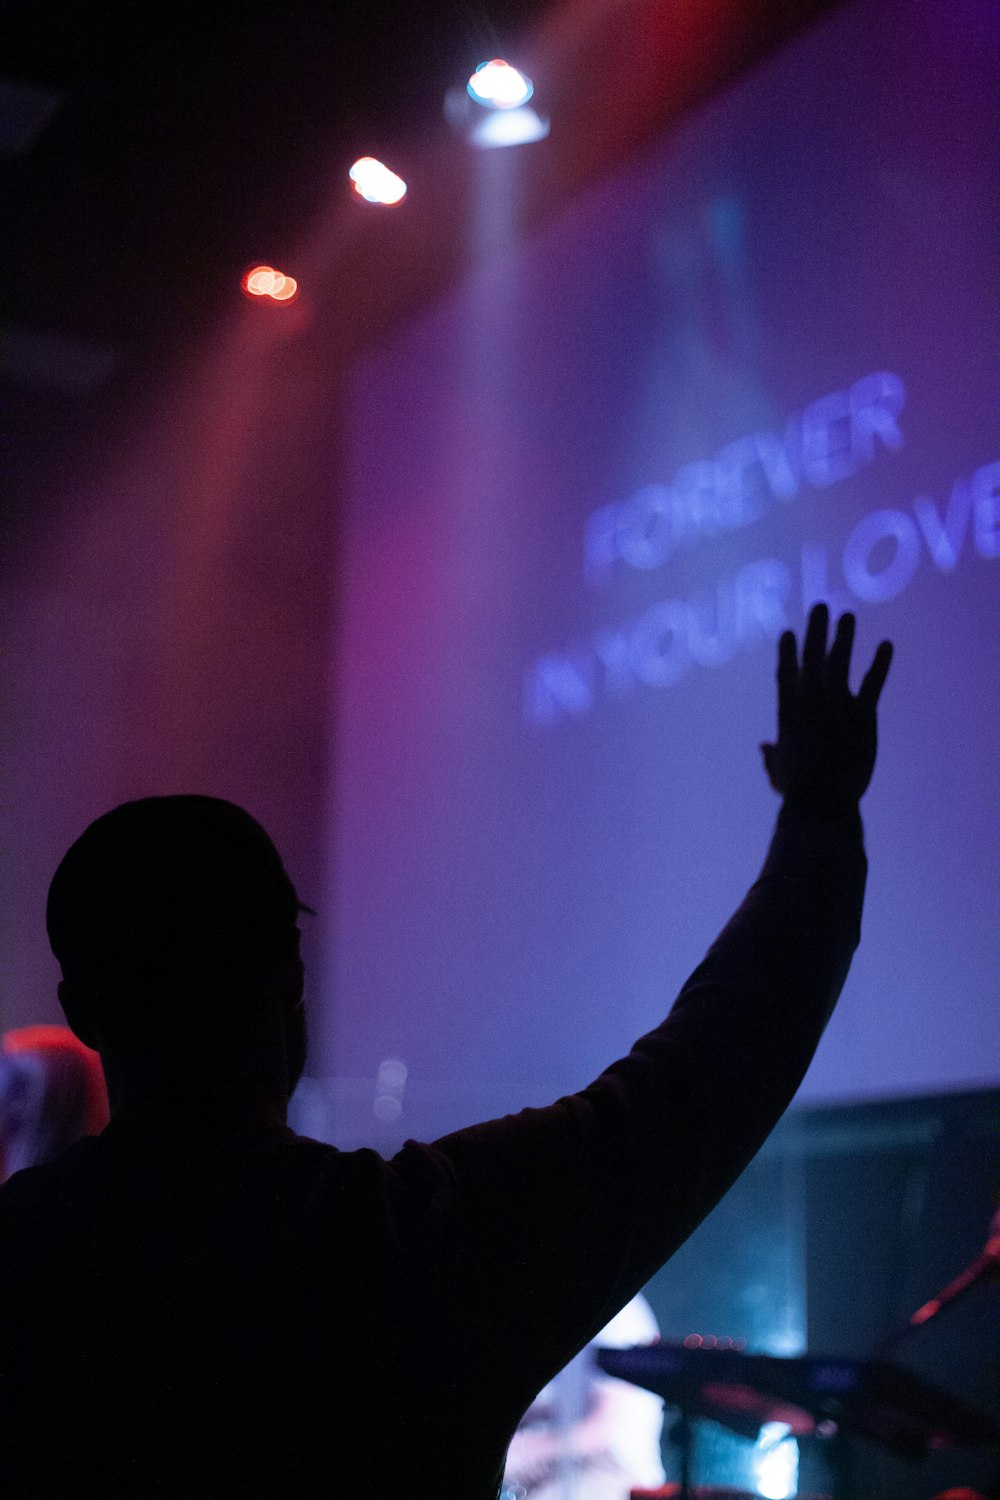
x=497, y=85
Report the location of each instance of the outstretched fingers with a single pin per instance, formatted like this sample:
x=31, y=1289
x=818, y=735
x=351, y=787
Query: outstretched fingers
x=826, y=743
x=838, y=664
x=788, y=677
x=814, y=649
x=874, y=679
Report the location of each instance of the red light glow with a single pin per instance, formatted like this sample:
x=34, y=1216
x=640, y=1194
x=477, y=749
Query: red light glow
x=265, y=281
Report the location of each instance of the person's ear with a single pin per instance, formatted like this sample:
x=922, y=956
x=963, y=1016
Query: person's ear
x=76, y=1014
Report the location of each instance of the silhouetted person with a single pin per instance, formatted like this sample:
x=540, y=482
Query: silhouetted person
x=201, y=1304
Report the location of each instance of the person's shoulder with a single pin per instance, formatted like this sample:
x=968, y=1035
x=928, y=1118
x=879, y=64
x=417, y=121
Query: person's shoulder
x=303, y=1164
x=36, y=1199
x=39, y=1181
x=418, y=1168
x=413, y=1190
x=398, y=1208
x=304, y=1153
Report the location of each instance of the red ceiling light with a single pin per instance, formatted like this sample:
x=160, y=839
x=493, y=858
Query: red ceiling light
x=284, y=289
x=264, y=282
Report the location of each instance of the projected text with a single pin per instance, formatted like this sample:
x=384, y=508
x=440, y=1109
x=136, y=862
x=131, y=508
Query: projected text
x=827, y=442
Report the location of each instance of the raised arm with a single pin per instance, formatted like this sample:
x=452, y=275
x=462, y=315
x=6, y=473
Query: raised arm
x=556, y=1217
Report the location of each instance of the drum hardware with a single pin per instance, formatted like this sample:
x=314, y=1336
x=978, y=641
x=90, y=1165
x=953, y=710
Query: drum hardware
x=815, y=1395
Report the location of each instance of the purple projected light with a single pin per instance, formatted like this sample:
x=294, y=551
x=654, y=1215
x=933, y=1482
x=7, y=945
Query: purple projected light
x=753, y=370
x=832, y=440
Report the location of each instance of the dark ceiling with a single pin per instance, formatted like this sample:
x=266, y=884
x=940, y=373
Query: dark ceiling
x=183, y=142
x=186, y=141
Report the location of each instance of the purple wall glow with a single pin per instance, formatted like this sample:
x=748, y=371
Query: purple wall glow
x=754, y=368
x=168, y=630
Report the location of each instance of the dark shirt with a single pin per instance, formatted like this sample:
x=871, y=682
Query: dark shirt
x=271, y=1316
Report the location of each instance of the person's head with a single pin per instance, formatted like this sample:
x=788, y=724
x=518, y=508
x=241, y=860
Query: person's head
x=174, y=922
x=52, y=1091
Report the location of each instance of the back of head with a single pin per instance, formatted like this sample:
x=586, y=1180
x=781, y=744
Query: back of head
x=165, y=909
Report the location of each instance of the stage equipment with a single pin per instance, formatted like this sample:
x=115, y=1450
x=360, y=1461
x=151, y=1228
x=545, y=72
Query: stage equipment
x=814, y=1395
x=706, y=1492
x=985, y=1267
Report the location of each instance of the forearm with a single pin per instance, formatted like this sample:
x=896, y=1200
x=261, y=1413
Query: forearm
x=696, y=1097
x=777, y=968
x=609, y=1182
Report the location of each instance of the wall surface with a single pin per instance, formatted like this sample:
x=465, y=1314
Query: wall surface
x=168, y=571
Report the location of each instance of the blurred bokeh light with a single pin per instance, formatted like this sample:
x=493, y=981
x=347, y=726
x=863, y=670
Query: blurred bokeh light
x=264, y=281
x=374, y=182
x=499, y=86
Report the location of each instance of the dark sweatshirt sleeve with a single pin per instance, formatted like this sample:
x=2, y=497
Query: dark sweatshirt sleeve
x=557, y=1216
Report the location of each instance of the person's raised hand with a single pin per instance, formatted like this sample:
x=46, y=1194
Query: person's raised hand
x=825, y=752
